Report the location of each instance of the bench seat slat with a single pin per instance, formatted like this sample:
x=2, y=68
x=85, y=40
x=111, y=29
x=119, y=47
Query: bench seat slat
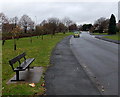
x=25, y=64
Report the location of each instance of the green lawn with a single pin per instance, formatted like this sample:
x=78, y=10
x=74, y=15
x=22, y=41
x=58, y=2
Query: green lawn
x=39, y=49
x=114, y=37
x=99, y=33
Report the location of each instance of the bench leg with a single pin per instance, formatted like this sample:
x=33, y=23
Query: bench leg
x=28, y=68
x=17, y=77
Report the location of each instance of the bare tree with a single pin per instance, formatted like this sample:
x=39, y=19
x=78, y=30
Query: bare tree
x=67, y=22
x=43, y=22
x=61, y=28
x=14, y=20
x=14, y=32
x=80, y=27
x=26, y=22
x=73, y=27
x=3, y=20
x=53, y=24
x=102, y=24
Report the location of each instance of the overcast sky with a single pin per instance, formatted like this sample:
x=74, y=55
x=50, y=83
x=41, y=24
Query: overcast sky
x=78, y=11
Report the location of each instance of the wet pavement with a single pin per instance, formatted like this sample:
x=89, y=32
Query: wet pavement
x=66, y=76
x=31, y=76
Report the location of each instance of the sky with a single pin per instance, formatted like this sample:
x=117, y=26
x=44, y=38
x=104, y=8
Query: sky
x=80, y=11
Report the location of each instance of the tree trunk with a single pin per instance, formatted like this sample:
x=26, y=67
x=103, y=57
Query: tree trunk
x=51, y=35
x=42, y=36
x=25, y=29
x=3, y=42
x=63, y=32
x=15, y=46
x=31, y=39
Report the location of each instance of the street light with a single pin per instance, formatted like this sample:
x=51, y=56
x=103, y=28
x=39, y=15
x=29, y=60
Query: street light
x=35, y=20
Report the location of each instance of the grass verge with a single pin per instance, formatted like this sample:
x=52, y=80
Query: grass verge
x=99, y=33
x=39, y=49
x=113, y=37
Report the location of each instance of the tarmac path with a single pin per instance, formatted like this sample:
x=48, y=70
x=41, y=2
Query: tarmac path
x=66, y=76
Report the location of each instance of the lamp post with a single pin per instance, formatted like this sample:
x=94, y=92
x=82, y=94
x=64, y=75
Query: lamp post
x=35, y=21
x=118, y=10
x=36, y=25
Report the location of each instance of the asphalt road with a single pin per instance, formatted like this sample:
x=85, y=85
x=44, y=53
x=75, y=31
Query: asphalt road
x=99, y=59
x=66, y=76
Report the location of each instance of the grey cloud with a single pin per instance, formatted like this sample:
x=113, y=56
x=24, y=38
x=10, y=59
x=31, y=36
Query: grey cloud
x=80, y=12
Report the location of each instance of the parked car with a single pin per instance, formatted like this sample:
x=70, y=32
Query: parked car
x=76, y=34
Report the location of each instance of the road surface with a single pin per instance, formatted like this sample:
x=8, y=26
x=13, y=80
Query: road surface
x=99, y=59
x=66, y=76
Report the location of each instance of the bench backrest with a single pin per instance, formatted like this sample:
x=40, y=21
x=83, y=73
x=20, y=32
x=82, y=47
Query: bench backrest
x=17, y=59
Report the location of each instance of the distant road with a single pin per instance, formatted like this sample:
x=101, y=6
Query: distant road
x=100, y=59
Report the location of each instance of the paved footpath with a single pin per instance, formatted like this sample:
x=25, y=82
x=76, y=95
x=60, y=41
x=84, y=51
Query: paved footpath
x=66, y=76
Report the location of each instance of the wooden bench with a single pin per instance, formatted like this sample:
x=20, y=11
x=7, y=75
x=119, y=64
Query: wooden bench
x=22, y=66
